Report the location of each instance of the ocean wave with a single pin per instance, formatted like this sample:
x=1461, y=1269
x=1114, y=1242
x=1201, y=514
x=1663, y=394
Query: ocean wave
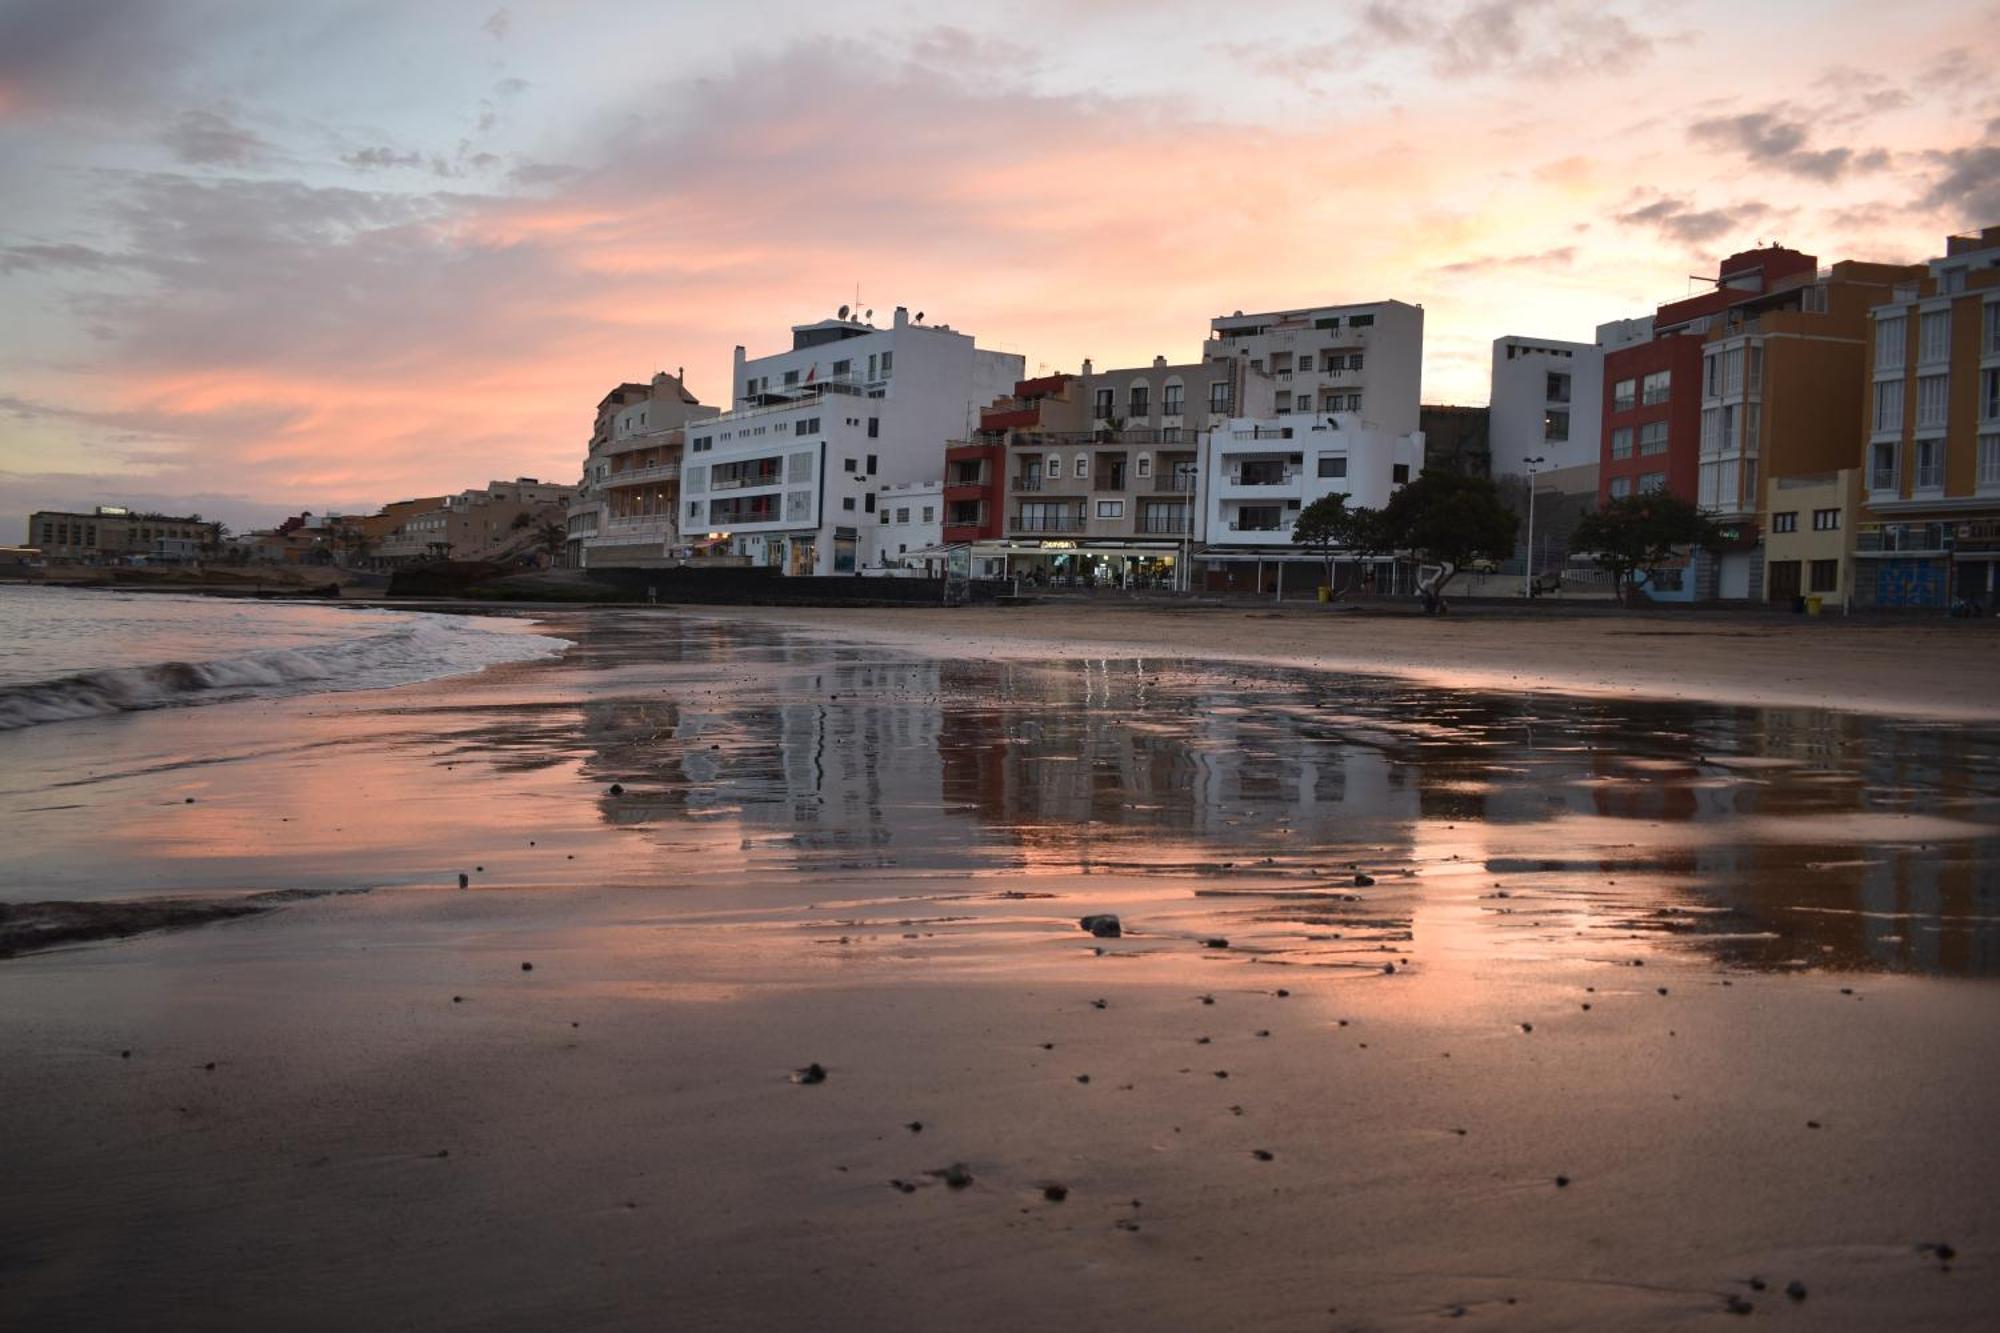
x=424, y=648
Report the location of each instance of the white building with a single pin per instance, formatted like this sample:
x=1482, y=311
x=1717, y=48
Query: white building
x=907, y=535
x=1364, y=361
x=1547, y=402
x=792, y=474
x=1261, y=474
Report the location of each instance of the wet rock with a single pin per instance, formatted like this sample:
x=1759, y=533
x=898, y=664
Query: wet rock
x=915, y=1127
x=464, y=879
x=1737, y=1305
x=1262, y=1154
x=812, y=1073
x=1364, y=881
x=1282, y=993
x=904, y=1186
x=1562, y=1182
x=1217, y=943
x=1795, y=1289
x=1055, y=1193
x=955, y=1175
x=1389, y=969
x=527, y=967
x=617, y=789
x=1103, y=925
x=1097, y=1004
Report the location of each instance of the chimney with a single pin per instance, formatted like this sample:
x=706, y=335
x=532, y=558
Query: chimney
x=1086, y=367
x=1159, y=363
x=902, y=316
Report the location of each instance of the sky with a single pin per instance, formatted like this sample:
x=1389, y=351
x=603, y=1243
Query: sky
x=260, y=257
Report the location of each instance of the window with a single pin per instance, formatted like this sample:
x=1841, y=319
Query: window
x=885, y=517
x=1621, y=442
x=1755, y=365
x=872, y=359
x=1327, y=322
x=1140, y=393
x=1653, y=437
x=1813, y=299
x=1889, y=405
x=694, y=509
x=1555, y=426
x=848, y=465
x=1083, y=465
x=1620, y=487
x=902, y=513
x=1144, y=464
x=1354, y=402
x=871, y=465
x=847, y=502
x=1360, y=321
x=1989, y=321
x=1354, y=361
x=1932, y=400
x=868, y=503
x=1825, y=576
x=1930, y=465
x=806, y=426
x=1623, y=395
x=1111, y=509
x=1399, y=474
x=1890, y=352
x=750, y=388
x=1652, y=481
x=874, y=428
x=1333, y=465
x=1218, y=396
x=888, y=363
x=791, y=378
x=841, y=368
x=1788, y=522
x=1989, y=462
x=1106, y=404
x=1284, y=403
x=1281, y=363
x=1882, y=465
x=1989, y=392
x=703, y=443
x=1934, y=337
x=1055, y=467
x=930, y=513
x=1171, y=399
x=1656, y=387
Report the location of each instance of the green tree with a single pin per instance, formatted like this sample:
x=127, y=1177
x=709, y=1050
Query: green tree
x=1633, y=534
x=1450, y=521
x=1322, y=527
x=554, y=537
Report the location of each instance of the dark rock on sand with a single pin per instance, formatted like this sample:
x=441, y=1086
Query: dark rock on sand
x=812, y=1073
x=1262, y=1154
x=1737, y=1305
x=1364, y=881
x=1055, y=1193
x=1217, y=943
x=1103, y=925
x=915, y=1127
x=1795, y=1289
x=955, y=1175
x=1562, y=1182
x=617, y=789
x=527, y=967
x=464, y=880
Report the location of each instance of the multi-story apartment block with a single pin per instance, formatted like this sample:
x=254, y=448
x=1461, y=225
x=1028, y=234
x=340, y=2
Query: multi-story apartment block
x=1104, y=467
x=1932, y=468
x=1808, y=523
x=790, y=475
x=1363, y=361
x=625, y=509
x=1262, y=473
x=1547, y=404
x=974, y=493
x=907, y=536
x=112, y=533
x=1756, y=379
x=502, y=520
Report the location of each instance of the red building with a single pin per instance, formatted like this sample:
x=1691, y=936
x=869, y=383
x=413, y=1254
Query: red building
x=973, y=510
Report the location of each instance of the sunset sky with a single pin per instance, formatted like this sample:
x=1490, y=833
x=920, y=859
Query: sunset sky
x=258, y=257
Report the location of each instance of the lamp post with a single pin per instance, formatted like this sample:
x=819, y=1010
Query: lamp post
x=1528, y=565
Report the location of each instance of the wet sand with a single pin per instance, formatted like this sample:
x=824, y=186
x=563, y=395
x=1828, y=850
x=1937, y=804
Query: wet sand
x=1728, y=972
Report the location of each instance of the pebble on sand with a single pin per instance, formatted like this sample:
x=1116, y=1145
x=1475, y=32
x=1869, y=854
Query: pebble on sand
x=1216, y=943
x=1262, y=1154
x=1055, y=1193
x=955, y=1175
x=1737, y=1305
x=1562, y=1182
x=464, y=879
x=527, y=967
x=1795, y=1289
x=915, y=1127
x=1364, y=881
x=617, y=789
x=1103, y=925
x=812, y=1073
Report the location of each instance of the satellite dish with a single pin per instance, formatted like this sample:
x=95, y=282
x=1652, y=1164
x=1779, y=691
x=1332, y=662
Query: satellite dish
x=843, y=312
x=920, y=317
x=870, y=314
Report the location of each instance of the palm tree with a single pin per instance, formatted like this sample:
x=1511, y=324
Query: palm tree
x=554, y=537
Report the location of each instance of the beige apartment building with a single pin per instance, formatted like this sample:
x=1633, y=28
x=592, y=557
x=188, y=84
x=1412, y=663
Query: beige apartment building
x=503, y=521
x=112, y=533
x=1103, y=468
x=625, y=509
x=1809, y=524
x=1932, y=473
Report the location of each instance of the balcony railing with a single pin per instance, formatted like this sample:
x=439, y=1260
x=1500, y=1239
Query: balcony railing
x=1882, y=479
x=1168, y=524
x=1173, y=407
x=1048, y=523
x=632, y=476
x=1030, y=481
x=1284, y=478
x=1930, y=478
x=1263, y=433
x=739, y=483
x=630, y=523
x=1175, y=484
x=1254, y=525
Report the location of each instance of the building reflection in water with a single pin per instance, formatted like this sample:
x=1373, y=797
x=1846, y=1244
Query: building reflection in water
x=1766, y=837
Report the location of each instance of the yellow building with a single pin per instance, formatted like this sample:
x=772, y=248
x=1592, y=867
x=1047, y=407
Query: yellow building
x=1809, y=524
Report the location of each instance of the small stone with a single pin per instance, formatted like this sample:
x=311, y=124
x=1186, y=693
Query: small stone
x=1663, y=990
x=1795, y=1289
x=1527, y=1027
x=1103, y=925
x=617, y=789
x=1055, y=1193
x=464, y=879
x=1586, y=1006
x=904, y=1186
x=1757, y=1284
x=812, y=1073
x=1737, y=1305
x=189, y=800
x=1201, y=1041
x=1562, y=1182
x=1389, y=969
x=1847, y=990
x=1283, y=994
x=479, y=869
x=1364, y=881
x=1048, y=1046
x=1812, y=1124
x=124, y=1055
x=1217, y=943
x=1083, y=1078
x=209, y=1065
x=1208, y=999
x=1263, y=1032
x=955, y=1175
x=1220, y=1073
x=458, y=999
x=1097, y=1004
x=442, y=1152
x=1262, y=1154
x=915, y=1127
x=527, y=967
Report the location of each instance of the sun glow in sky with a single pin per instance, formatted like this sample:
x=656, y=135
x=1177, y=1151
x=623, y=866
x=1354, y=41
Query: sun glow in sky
x=261, y=257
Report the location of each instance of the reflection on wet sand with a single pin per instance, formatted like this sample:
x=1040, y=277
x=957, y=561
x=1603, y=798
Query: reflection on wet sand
x=1247, y=796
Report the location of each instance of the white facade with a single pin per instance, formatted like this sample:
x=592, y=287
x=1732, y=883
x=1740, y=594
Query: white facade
x=1363, y=363
x=907, y=530
x=791, y=476
x=1547, y=402
x=1261, y=474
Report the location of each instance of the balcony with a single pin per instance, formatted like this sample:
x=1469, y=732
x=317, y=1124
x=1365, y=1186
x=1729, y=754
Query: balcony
x=1029, y=481
x=1883, y=479
x=1931, y=477
x=1048, y=523
x=743, y=483
x=1263, y=433
x=1110, y=479
x=633, y=476
x=1256, y=477
x=1255, y=525
x=636, y=524
x=1173, y=407
x=1169, y=525
x=1181, y=484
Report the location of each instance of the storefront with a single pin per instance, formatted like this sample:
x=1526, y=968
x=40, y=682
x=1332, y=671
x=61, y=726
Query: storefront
x=1062, y=564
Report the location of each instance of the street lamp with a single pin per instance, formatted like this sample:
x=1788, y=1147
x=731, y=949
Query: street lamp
x=1528, y=565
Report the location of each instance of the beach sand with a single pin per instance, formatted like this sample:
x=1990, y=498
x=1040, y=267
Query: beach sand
x=1637, y=1010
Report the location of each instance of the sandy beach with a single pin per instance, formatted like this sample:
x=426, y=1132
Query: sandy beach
x=1633, y=992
